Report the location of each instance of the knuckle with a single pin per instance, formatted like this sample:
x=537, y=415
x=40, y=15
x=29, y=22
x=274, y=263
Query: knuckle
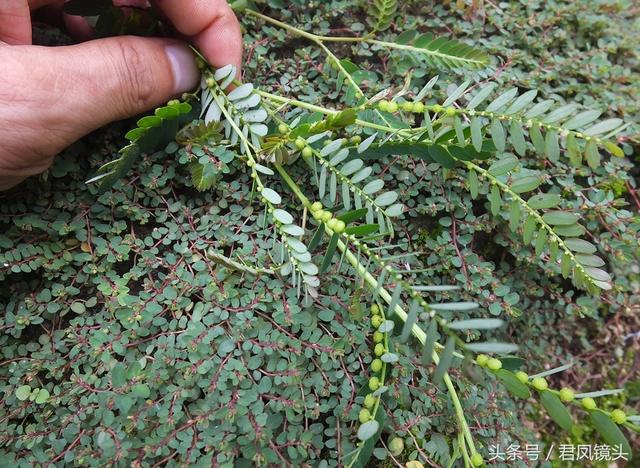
x=134, y=71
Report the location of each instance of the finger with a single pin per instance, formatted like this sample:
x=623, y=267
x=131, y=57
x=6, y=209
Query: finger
x=124, y=76
x=211, y=24
x=15, y=22
x=81, y=87
x=78, y=27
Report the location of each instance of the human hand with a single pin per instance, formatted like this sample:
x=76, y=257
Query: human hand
x=52, y=96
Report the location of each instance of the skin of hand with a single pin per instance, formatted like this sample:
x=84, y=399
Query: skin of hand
x=52, y=96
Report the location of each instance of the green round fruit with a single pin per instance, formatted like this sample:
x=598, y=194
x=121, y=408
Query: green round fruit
x=375, y=309
x=316, y=206
x=539, y=383
x=522, y=376
x=414, y=464
x=407, y=106
x=396, y=446
x=339, y=227
x=450, y=111
x=393, y=107
x=364, y=415
x=376, y=365
x=476, y=459
x=494, y=364
x=482, y=359
x=437, y=108
x=282, y=128
x=376, y=320
x=378, y=337
x=383, y=106
x=307, y=152
x=374, y=383
x=618, y=416
x=317, y=215
x=370, y=400
x=566, y=395
x=355, y=139
x=326, y=216
x=588, y=403
x=418, y=107
x=379, y=349
x=331, y=224
x=300, y=144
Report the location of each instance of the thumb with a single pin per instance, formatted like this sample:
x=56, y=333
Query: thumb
x=100, y=81
x=51, y=96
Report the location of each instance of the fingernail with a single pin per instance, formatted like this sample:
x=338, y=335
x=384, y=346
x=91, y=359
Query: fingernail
x=183, y=65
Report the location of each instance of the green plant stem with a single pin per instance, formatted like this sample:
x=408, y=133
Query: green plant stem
x=363, y=39
x=416, y=331
x=318, y=40
x=300, y=32
x=323, y=110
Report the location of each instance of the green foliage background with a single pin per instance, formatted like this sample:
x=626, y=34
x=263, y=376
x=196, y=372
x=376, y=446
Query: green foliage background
x=150, y=352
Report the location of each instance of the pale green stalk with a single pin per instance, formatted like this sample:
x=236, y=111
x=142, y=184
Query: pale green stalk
x=416, y=331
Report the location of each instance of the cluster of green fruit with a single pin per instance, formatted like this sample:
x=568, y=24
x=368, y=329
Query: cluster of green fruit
x=376, y=381
x=566, y=395
x=304, y=147
x=407, y=106
x=336, y=225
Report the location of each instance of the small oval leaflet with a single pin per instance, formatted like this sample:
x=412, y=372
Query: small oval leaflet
x=395, y=210
x=389, y=358
x=580, y=245
x=263, y=169
x=476, y=324
x=331, y=147
x=603, y=127
x=256, y=115
x=366, y=143
x=23, y=392
x=502, y=100
x=503, y=165
x=456, y=93
x=368, y=430
x=240, y=92
x=258, y=129
x=373, y=186
x=352, y=166
x=492, y=347
x=544, y=201
x=455, y=306
x=481, y=95
x=308, y=268
x=247, y=103
x=296, y=245
x=271, y=195
x=282, y=216
x=526, y=184
x=293, y=230
x=562, y=218
x=610, y=431
x=224, y=72
x=362, y=174
x=386, y=198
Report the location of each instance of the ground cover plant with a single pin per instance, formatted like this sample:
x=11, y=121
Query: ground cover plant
x=390, y=243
